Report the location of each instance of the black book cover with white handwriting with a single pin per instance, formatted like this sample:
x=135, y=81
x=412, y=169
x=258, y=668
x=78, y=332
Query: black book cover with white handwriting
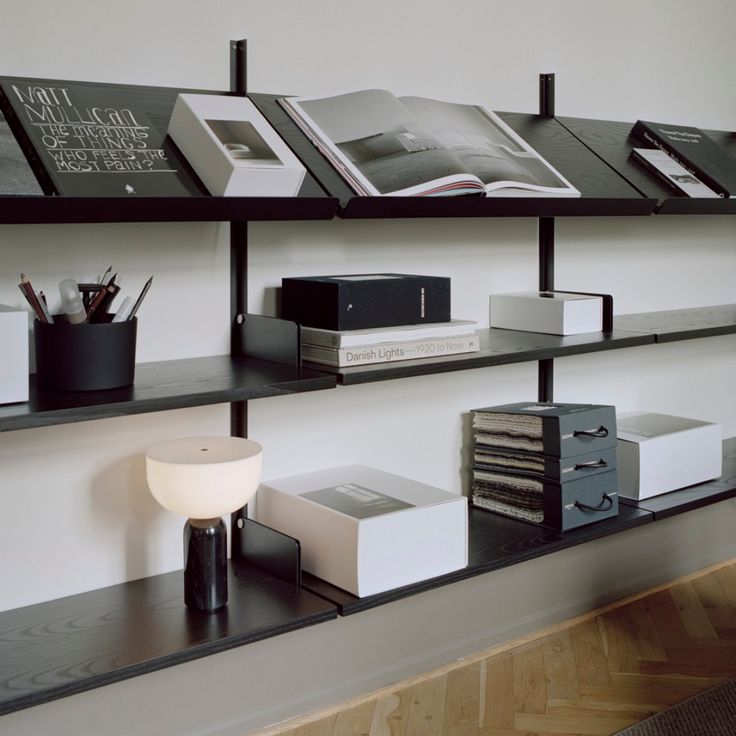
x=695, y=150
x=85, y=139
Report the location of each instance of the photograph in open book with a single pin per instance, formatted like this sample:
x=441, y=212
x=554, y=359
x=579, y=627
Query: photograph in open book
x=386, y=145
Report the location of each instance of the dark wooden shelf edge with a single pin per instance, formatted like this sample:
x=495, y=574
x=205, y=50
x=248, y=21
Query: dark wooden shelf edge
x=438, y=207
x=693, y=497
x=495, y=542
x=260, y=607
x=164, y=385
x=498, y=347
x=22, y=210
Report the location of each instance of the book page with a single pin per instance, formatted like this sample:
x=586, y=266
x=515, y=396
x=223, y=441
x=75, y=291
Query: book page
x=379, y=146
x=488, y=148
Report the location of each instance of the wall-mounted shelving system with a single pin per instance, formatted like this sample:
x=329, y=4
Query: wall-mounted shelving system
x=60, y=647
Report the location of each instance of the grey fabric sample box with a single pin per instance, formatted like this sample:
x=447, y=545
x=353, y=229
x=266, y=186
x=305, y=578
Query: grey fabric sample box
x=562, y=430
x=558, y=506
x=550, y=467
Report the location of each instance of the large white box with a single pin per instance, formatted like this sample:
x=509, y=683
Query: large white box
x=658, y=453
x=233, y=148
x=14, y=345
x=365, y=530
x=550, y=312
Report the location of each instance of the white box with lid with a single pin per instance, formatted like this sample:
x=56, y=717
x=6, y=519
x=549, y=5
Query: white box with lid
x=658, y=453
x=14, y=344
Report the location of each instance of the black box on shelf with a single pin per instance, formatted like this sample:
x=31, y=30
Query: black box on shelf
x=558, y=506
x=562, y=430
x=360, y=301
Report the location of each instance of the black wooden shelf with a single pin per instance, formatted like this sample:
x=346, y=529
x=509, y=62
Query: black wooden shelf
x=494, y=542
x=497, y=347
x=682, y=324
x=612, y=142
x=497, y=541
x=53, y=209
x=604, y=191
x=173, y=384
x=697, y=496
x=501, y=347
x=54, y=649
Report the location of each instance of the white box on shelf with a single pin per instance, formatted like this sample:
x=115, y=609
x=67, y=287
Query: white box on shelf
x=365, y=530
x=233, y=148
x=14, y=343
x=550, y=312
x=658, y=453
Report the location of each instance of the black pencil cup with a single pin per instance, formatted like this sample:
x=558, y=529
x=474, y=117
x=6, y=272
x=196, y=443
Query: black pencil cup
x=84, y=357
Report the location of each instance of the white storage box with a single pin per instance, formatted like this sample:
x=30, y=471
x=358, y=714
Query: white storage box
x=365, y=530
x=658, y=453
x=550, y=312
x=233, y=148
x=14, y=365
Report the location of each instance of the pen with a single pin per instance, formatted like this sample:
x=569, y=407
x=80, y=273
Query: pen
x=140, y=298
x=45, y=307
x=28, y=292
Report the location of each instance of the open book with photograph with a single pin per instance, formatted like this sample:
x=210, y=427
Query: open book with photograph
x=387, y=145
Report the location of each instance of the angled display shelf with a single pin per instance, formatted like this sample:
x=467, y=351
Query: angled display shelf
x=157, y=102
x=604, y=192
x=50, y=650
x=611, y=141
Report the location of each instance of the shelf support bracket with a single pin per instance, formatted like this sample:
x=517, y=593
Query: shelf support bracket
x=251, y=542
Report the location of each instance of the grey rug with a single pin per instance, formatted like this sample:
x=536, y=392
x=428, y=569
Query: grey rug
x=711, y=713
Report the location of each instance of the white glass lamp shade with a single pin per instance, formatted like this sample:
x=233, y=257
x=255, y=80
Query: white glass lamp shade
x=204, y=477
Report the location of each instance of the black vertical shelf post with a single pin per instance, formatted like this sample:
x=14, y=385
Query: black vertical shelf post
x=238, y=255
x=546, y=235
x=238, y=291
x=251, y=542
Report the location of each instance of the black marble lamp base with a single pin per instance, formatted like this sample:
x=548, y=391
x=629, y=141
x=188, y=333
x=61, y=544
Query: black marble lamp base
x=205, y=564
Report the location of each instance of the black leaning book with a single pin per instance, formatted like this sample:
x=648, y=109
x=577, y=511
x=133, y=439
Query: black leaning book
x=414, y=146
x=695, y=150
x=86, y=139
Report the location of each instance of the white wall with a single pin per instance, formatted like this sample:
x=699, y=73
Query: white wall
x=81, y=515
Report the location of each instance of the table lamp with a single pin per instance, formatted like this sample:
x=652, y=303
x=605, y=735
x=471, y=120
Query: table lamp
x=203, y=478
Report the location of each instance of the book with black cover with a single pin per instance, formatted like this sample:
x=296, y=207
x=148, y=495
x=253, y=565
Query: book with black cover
x=16, y=176
x=695, y=150
x=86, y=139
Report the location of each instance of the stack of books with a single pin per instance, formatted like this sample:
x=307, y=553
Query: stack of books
x=361, y=319
x=387, y=344
x=549, y=464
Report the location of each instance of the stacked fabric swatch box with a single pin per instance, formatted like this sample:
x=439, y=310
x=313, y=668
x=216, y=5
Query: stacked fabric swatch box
x=546, y=463
x=357, y=319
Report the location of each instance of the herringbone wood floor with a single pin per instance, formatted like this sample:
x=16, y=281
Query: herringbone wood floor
x=594, y=675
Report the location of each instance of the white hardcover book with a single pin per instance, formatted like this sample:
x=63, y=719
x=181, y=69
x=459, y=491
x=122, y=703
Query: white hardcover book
x=365, y=530
x=658, y=453
x=388, y=352
x=549, y=312
x=373, y=335
x=233, y=148
x=671, y=171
